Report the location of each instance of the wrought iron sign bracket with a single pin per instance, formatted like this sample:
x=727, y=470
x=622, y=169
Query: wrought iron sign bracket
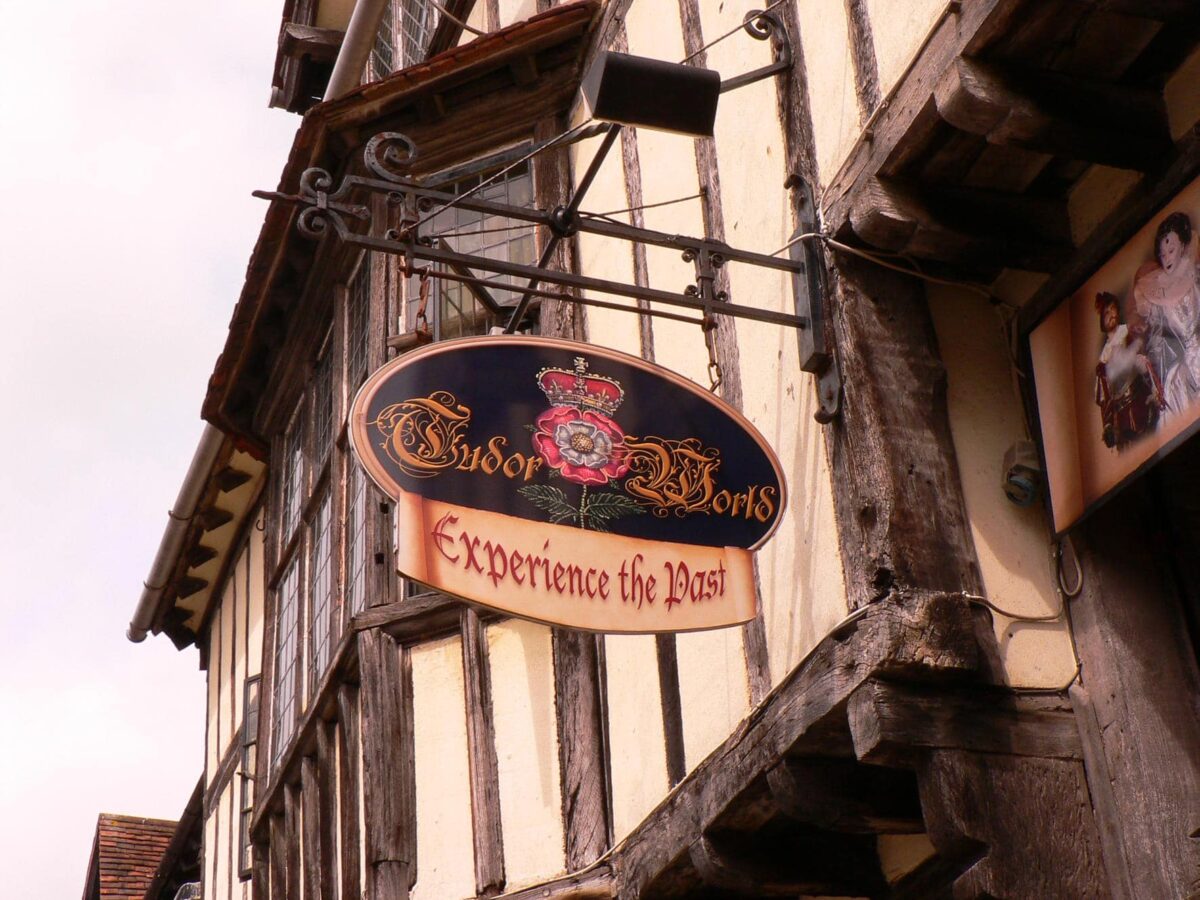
x=763, y=25
x=347, y=212
x=809, y=291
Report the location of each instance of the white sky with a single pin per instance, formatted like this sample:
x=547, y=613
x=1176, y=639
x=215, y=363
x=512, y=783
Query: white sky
x=131, y=135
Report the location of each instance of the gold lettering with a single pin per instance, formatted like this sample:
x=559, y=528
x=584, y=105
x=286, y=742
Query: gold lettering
x=422, y=435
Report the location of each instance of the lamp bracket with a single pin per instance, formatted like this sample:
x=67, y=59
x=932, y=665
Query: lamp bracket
x=764, y=25
x=809, y=290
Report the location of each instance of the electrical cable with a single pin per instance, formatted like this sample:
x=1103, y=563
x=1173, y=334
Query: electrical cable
x=617, y=212
x=457, y=21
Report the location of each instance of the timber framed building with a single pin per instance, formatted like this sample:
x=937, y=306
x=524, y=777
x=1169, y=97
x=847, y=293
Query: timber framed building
x=917, y=710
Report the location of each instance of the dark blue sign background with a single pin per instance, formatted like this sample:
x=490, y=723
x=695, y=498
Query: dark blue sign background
x=497, y=379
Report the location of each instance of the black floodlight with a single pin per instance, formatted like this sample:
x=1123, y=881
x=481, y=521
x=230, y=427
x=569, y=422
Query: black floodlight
x=650, y=93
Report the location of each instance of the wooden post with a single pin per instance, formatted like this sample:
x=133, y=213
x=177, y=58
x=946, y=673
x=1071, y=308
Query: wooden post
x=481, y=752
x=348, y=775
x=388, y=771
x=1139, y=672
x=327, y=809
x=310, y=802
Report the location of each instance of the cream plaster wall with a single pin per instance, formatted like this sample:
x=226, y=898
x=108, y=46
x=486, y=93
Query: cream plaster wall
x=257, y=583
x=603, y=257
x=637, y=748
x=334, y=13
x=211, y=756
x=445, y=849
x=522, y=672
x=803, y=593
x=825, y=32
x=225, y=666
x=209, y=873
x=899, y=28
x=515, y=11
x=1012, y=544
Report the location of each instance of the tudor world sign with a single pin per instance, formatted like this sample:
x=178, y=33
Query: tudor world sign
x=569, y=484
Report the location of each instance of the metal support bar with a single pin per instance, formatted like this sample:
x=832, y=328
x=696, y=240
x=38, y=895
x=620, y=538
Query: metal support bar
x=565, y=222
x=763, y=26
x=809, y=292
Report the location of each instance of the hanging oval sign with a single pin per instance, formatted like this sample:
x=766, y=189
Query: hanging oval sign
x=569, y=484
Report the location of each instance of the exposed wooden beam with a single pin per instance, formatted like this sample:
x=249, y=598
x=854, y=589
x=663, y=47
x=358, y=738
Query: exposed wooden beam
x=795, y=718
x=189, y=585
x=199, y=555
x=975, y=229
x=448, y=32
x=1054, y=113
x=484, y=768
x=842, y=795
x=230, y=478
x=893, y=723
x=214, y=517
x=596, y=883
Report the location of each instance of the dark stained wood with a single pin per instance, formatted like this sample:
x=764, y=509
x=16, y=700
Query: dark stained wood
x=447, y=33
x=327, y=812
x=841, y=795
x=1139, y=671
x=310, y=802
x=909, y=103
x=1057, y=114
x=862, y=51
x=893, y=723
x=348, y=776
x=916, y=636
x=596, y=883
x=389, y=796
x=1028, y=820
x=812, y=864
x=492, y=15
x=291, y=839
x=584, y=767
x=423, y=616
x=975, y=229
x=672, y=706
x=278, y=858
x=481, y=750
x=892, y=455
x=226, y=769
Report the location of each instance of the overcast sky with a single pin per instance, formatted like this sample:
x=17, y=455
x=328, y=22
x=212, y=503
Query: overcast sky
x=131, y=135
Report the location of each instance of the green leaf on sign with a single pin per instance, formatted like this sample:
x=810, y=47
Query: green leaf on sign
x=550, y=499
x=612, y=505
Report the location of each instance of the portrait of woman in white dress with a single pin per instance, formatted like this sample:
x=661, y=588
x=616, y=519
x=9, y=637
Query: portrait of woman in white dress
x=1167, y=301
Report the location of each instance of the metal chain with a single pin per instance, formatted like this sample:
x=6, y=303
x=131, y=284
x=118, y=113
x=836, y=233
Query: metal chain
x=709, y=326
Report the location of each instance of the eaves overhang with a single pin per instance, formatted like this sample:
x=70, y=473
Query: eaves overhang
x=468, y=100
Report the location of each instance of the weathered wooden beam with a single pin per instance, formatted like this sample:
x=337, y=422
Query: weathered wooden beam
x=916, y=635
x=786, y=865
x=298, y=41
x=310, y=803
x=348, y=775
x=1031, y=817
x=902, y=519
x=974, y=229
x=388, y=768
x=841, y=795
x=481, y=754
x=594, y=884
x=278, y=858
x=448, y=32
x=1057, y=114
x=188, y=585
x=230, y=478
x=894, y=723
x=214, y=517
x=199, y=555
x=327, y=802
x=291, y=839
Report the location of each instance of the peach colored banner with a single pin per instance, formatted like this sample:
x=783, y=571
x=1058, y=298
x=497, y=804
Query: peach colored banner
x=562, y=575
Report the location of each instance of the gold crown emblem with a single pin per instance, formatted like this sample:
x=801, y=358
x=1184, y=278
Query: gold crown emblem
x=580, y=389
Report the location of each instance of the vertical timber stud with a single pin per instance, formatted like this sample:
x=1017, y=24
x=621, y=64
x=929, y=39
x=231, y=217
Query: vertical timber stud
x=278, y=858
x=862, y=51
x=291, y=842
x=577, y=690
x=389, y=794
x=310, y=802
x=348, y=776
x=754, y=634
x=327, y=808
x=1132, y=643
x=481, y=747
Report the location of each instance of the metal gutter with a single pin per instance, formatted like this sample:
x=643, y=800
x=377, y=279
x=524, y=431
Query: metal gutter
x=356, y=47
x=180, y=517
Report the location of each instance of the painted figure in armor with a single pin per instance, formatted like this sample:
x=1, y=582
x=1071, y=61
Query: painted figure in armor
x=1128, y=390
